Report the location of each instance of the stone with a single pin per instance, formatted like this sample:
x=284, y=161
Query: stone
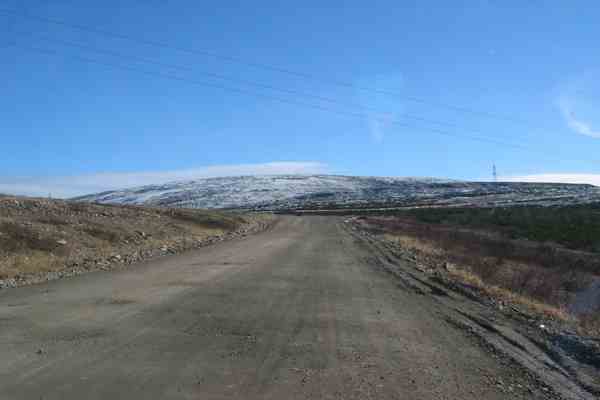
x=449, y=267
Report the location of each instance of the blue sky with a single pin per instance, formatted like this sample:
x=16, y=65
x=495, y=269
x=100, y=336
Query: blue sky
x=524, y=76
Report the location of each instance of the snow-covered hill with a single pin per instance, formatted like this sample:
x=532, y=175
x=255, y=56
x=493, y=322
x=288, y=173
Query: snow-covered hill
x=324, y=191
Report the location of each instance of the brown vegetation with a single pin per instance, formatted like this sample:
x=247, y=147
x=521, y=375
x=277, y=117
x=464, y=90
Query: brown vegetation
x=542, y=276
x=39, y=236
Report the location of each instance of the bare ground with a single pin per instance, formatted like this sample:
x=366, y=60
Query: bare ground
x=308, y=309
x=542, y=276
x=43, y=239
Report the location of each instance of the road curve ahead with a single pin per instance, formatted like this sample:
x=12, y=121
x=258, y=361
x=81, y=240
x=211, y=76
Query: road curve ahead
x=302, y=311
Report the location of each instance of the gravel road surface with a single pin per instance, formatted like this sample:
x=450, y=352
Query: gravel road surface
x=306, y=310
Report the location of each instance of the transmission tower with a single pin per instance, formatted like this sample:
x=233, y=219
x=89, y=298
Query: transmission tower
x=495, y=173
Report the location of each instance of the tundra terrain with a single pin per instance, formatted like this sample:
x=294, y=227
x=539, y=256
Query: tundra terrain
x=318, y=192
x=314, y=307
x=43, y=239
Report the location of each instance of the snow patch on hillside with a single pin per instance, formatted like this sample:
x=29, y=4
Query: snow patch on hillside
x=319, y=191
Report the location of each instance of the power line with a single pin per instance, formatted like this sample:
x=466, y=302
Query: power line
x=247, y=82
x=279, y=99
x=264, y=66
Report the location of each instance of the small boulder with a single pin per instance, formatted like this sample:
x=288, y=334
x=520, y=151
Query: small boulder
x=449, y=267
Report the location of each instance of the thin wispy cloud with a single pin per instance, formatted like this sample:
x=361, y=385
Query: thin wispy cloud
x=578, y=109
x=71, y=186
x=578, y=125
x=378, y=125
x=380, y=122
x=592, y=179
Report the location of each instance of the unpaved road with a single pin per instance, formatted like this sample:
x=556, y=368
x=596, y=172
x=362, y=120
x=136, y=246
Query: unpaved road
x=303, y=311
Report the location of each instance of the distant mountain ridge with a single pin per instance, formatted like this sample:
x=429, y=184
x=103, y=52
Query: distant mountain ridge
x=277, y=192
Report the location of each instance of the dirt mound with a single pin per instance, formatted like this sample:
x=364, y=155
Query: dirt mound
x=42, y=239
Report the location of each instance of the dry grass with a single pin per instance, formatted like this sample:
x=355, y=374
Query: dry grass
x=550, y=311
x=497, y=260
x=590, y=324
x=41, y=235
x=33, y=262
x=488, y=244
x=465, y=275
x=486, y=264
x=413, y=243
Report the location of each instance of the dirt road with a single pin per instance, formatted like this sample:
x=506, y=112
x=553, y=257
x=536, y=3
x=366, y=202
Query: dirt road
x=307, y=310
